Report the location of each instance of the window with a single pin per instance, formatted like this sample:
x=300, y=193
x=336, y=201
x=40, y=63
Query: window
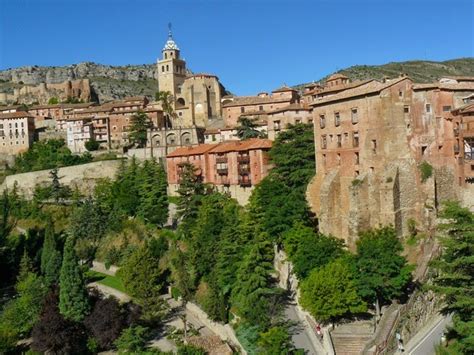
x=356, y=158
x=276, y=125
x=322, y=121
x=355, y=139
x=337, y=119
x=162, y=68
x=298, y=121
x=374, y=145
x=167, y=67
x=428, y=108
x=400, y=93
x=338, y=159
x=324, y=142
x=339, y=141
x=446, y=108
x=324, y=159
x=354, y=115
x=260, y=108
x=242, y=109
x=406, y=109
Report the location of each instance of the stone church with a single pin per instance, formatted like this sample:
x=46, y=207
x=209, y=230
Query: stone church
x=197, y=97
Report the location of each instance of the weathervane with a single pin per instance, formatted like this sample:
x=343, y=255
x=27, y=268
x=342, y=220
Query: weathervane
x=170, y=35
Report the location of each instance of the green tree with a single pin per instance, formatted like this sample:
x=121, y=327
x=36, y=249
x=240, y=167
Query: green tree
x=21, y=313
x=455, y=277
x=92, y=145
x=253, y=285
x=167, y=104
x=275, y=341
x=248, y=129
x=144, y=278
x=50, y=256
x=308, y=250
x=330, y=292
x=191, y=190
x=132, y=340
x=276, y=207
x=153, y=194
x=293, y=156
x=58, y=191
x=53, y=101
x=73, y=302
x=88, y=225
x=382, y=272
x=139, y=125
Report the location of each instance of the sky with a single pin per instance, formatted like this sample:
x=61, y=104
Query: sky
x=251, y=45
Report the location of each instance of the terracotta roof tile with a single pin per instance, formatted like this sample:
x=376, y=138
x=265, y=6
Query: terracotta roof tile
x=191, y=150
x=18, y=114
x=236, y=146
x=255, y=100
x=291, y=107
x=370, y=87
x=284, y=88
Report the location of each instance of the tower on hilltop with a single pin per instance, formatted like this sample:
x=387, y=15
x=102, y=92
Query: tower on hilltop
x=171, y=68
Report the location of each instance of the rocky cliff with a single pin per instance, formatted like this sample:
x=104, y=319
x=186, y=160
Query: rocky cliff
x=107, y=82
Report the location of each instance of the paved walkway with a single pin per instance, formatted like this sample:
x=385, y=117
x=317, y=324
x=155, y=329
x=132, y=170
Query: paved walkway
x=301, y=337
x=425, y=341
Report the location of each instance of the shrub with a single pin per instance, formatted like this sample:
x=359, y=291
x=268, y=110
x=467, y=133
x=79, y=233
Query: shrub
x=92, y=145
x=53, y=101
x=132, y=339
x=426, y=171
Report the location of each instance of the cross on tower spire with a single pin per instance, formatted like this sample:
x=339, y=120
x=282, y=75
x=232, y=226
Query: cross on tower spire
x=170, y=33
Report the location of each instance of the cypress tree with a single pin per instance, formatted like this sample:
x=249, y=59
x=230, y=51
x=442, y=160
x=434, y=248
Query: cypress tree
x=73, y=303
x=50, y=256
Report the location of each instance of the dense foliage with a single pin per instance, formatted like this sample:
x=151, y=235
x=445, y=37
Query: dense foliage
x=247, y=129
x=455, y=279
x=49, y=154
x=330, y=292
x=139, y=125
x=73, y=301
x=382, y=272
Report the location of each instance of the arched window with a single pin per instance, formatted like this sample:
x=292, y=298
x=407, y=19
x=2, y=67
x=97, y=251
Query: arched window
x=167, y=67
x=180, y=102
x=166, y=55
x=171, y=139
x=186, y=138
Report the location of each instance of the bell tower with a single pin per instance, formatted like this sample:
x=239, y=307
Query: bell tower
x=171, y=68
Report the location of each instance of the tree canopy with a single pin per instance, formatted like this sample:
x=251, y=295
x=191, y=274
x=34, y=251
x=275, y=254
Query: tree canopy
x=330, y=292
x=140, y=123
x=455, y=278
x=247, y=129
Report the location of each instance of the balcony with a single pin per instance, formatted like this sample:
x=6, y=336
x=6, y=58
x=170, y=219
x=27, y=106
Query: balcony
x=221, y=160
x=243, y=170
x=222, y=171
x=243, y=159
x=245, y=183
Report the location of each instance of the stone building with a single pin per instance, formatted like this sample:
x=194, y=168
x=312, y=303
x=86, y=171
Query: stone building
x=233, y=167
x=279, y=119
x=78, y=132
x=371, y=139
x=234, y=107
x=197, y=97
x=17, y=131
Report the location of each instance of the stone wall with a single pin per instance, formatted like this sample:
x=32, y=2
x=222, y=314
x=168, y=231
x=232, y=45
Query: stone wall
x=224, y=331
x=83, y=176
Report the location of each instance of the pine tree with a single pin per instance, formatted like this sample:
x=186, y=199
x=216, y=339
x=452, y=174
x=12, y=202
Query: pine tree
x=153, y=205
x=73, y=302
x=26, y=267
x=139, y=125
x=455, y=279
x=253, y=285
x=50, y=256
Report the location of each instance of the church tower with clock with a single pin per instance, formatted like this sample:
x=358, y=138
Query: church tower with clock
x=171, y=68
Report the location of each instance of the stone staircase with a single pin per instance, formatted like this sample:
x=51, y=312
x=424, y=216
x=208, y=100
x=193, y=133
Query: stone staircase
x=351, y=338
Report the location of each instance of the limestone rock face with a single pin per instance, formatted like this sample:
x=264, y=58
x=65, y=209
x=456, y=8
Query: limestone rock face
x=107, y=82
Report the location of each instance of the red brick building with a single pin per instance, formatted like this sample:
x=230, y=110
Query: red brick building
x=233, y=167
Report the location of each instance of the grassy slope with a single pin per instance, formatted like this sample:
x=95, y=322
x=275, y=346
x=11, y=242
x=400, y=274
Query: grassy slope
x=107, y=280
x=418, y=70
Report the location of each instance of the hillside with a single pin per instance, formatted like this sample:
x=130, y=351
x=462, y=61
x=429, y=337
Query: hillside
x=418, y=70
x=115, y=82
